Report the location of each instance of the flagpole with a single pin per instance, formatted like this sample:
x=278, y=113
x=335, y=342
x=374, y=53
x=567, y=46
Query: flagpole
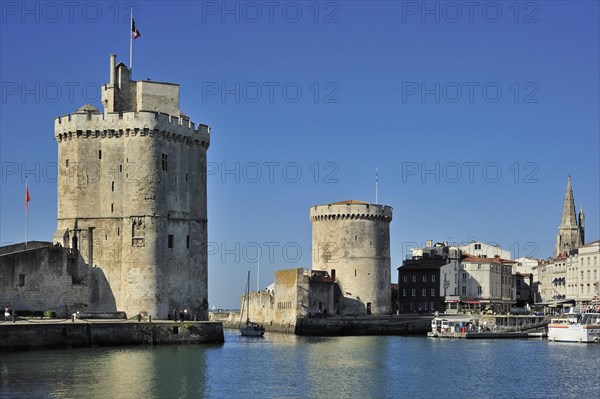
x=376, y=187
x=131, y=41
x=26, y=212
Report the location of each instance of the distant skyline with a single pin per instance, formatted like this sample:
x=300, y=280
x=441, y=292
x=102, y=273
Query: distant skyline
x=472, y=114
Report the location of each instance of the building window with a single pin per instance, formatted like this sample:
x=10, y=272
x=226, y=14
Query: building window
x=403, y=292
x=165, y=163
x=405, y=278
x=477, y=246
x=479, y=291
x=67, y=163
x=21, y=280
x=187, y=241
x=464, y=277
x=424, y=278
x=170, y=241
x=424, y=292
x=463, y=290
x=433, y=292
x=112, y=186
x=414, y=292
x=112, y=208
x=433, y=278
x=414, y=278
x=99, y=154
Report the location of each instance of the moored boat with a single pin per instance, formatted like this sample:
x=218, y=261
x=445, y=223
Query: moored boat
x=249, y=329
x=575, y=327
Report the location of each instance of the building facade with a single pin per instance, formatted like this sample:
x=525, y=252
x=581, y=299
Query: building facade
x=132, y=196
x=423, y=280
x=41, y=277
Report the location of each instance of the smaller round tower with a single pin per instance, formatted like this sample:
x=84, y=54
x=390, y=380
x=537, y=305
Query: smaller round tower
x=351, y=242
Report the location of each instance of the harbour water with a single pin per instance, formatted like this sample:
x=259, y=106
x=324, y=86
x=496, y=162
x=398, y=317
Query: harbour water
x=284, y=365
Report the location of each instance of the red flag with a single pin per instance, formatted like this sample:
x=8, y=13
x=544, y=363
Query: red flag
x=27, y=198
x=136, y=32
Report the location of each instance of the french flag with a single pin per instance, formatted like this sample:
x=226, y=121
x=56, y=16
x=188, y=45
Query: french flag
x=136, y=32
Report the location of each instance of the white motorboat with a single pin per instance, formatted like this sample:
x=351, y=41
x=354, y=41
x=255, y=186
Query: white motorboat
x=575, y=327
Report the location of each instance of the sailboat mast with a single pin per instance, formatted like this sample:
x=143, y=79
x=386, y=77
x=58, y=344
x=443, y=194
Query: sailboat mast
x=248, y=299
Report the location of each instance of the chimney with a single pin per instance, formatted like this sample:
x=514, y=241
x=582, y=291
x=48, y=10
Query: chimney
x=113, y=60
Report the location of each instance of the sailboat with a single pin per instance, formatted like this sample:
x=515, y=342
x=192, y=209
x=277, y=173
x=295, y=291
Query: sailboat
x=250, y=329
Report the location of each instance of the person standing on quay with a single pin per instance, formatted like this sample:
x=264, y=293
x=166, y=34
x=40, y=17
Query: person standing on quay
x=6, y=313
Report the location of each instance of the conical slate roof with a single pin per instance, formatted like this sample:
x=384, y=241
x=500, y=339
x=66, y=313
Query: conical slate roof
x=569, y=214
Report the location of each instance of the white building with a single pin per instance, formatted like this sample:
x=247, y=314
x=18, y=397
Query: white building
x=484, y=250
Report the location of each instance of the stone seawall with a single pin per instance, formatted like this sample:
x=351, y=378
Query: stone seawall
x=384, y=325
x=47, y=335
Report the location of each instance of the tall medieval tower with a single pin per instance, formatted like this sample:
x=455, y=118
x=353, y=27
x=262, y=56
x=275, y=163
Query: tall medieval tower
x=132, y=198
x=351, y=241
x=571, y=230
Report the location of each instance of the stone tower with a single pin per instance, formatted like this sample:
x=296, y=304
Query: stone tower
x=132, y=198
x=570, y=231
x=351, y=241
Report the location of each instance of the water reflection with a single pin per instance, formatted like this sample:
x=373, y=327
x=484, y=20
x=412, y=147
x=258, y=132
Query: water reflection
x=287, y=366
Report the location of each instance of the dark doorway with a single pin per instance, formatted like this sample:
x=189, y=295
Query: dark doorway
x=368, y=308
x=333, y=274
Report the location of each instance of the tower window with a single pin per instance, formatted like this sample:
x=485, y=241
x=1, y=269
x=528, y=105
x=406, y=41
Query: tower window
x=112, y=208
x=187, y=241
x=21, y=280
x=67, y=163
x=99, y=154
x=165, y=163
x=112, y=186
x=186, y=176
x=170, y=241
x=118, y=231
x=120, y=168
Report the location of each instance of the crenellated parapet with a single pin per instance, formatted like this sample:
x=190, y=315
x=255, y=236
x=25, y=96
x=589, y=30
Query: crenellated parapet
x=350, y=210
x=89, y=124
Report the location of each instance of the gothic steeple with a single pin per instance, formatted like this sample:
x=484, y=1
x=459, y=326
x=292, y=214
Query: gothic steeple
x=570, y=231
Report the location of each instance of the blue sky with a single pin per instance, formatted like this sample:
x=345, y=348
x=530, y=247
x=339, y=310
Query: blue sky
x=473, y=117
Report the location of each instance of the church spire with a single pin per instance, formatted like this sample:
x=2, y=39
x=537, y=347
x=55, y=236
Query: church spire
x=569, y=214
x=570, y=231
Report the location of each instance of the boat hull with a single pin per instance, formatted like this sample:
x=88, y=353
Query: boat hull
x=573, y=333
x=252, y=331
